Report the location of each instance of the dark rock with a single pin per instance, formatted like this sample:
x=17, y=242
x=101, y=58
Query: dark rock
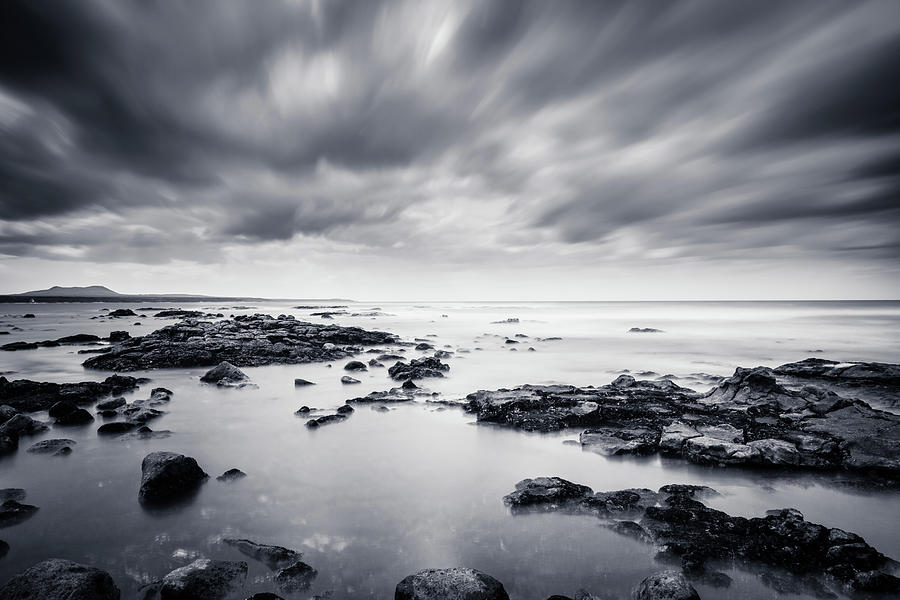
x=13, y=346
x=57, y=447
x=375, y=363
x=61, y=408
x=118, y=336
x=17, y=494
x=9, y=443
x=117, y=427
x=168, y=476
x=418, y=368
x=78, y=338
x=265, y=596
x=355, y=365
x=274, y=557
x=394, y=395
x=28, y=316
x=79, y=416
x=58, y=579
x=667, y=585
x=349, y=380
x=4, y=548
x=21, y=425
x=231, y=475
x=295, y=578
x=644, y=330
x=389, y=357
x=243, y=341
x=325, y=420
x=302, y=382
x=345, y=409
x=6, y=413
x=122, y=312
x=303, y=410
x=12, y=512
x=224, y=374
x=424, y=346
x=111, y=404
x=30, y=396
x=450, y=584
x=204, y=579
x=409, y=385
x=546, y=492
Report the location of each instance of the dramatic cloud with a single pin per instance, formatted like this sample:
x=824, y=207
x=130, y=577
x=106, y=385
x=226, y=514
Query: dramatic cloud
x=568, y=140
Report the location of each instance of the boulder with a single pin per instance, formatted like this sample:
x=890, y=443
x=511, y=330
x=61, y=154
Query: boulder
x=21, y=425
x=204, y=579
x=667, y=585
x=56, y=447
x=355, y=365
x=418, y=368
x=346, y=379
x=79, y=416
x=231, y=475
x=225, y=374
x=58, y=579
x=549, y=492
x=302, y=382
x=118, y=336
x=450, y=584
x=111, y=404
x=168, y=476
x=30, y=396
x=295, y=578
x=13, y=512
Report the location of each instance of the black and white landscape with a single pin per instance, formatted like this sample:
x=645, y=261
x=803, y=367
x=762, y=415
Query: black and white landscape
x=449, y=300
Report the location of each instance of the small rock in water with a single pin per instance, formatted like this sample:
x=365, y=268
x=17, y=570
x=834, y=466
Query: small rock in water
x=79, y=416
x=645, y=330
x=225, y=374
x=274, y=557
x=302, y=382
x=295, y=578
x=58, y=579
x=119, y=336
x=169, y=476
x=667, y=585
x=111, y=404
x=450, y=584
x=57, y=447
x=117, y=427
x=204, y=579
x=355, y=365
x=347, y=379
x=231, y=475
x=345, y=409
x=13, y=512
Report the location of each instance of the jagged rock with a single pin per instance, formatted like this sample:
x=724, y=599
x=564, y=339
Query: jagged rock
x=610, y=441
x=167, y=476
x=355, y=365
x=6, y=413
x=231, y=475
x=450, y=584
x=551, y=492
x=667, y=585
x=346, y=379
x=225, y=374
x=13, y=512
x=418, y=368
x=244, y=341
x=17, y=494
x=295, y=578
x=30, y=396
x=58, y=579
x=274, y=557
x=57, y=447
x=302, y=382
x=204, y=579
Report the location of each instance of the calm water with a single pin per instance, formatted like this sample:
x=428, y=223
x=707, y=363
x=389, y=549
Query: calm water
x=383, y=495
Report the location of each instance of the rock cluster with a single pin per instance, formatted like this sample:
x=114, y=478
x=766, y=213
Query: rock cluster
x=749, y=419
x=674, y=520
x=251, y=340
x=418, y=368
x=292, y=575
x=29, y=396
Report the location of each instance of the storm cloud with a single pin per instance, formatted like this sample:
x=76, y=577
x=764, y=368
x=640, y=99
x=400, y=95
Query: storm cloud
x=539, y=135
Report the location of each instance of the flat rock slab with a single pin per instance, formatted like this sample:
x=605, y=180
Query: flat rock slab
x=245, y=341
x=450, y=584
x=57, y=579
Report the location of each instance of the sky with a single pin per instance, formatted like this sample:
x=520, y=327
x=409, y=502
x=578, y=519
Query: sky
x=483, y=150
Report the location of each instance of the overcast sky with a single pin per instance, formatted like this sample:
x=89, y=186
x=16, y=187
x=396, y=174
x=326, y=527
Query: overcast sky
x=452, y=150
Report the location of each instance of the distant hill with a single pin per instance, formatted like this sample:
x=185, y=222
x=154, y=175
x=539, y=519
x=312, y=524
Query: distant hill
x=92, y=291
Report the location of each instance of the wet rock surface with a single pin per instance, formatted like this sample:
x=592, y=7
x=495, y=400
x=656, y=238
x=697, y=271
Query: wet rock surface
x=58, y=579
x=418, y=368
x=667, y=585
x=678, y=523
x=29, y=396
x=204, y=579
x=55, y=447
x=251, y=340
x=292, y=575
x=450, y=584
x=225, y=374
x=876, y=383
x=167, y=476
x=750, y=419
x=231, y=475
x=13, y=512
x=394, y=395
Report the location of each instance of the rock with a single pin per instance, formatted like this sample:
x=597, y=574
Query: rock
x=645, y=330
x=122, y=312
x=6, y=413
x=14, y=346
x=295, y=578
x=9, y=443
x=204, y=579
x=231, y=475
x=63, y=407
x=30, y=396
x=450, y=584
x=58, y=579
x=118, y=336
x=21, y=425
x=28, y=316
x=79, y=416
x=345, y=409
x=244, y=341
x=346, y=379
x=406, y=393
x=409, y=385
x=424, y=346
x=13, y=512
x=111, y=404
x=274, y=557
x=667, y=585
x=4, y=548
x=418, y=368
x=324, y=420
x=225, y=374
x=355, y=365
x=611, y=442
x=168, y=476
x=302, y=382
x=266, y=596
x=375, y=363
x=549, y=492
x=117, y=427
x=56, y=447
x=17, y=494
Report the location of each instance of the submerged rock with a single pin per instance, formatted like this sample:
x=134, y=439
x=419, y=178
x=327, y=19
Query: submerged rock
x=295, y=578
x=346, y=379
x=325, y=420
x=244, y=341
x=56, y=447
x=168, y=476
x=13, y=512
x=418, y=368
x=450, y=584
x=667, y=585
x=407, y=393
x=231, y=475
x=225, y=374
x=58, y=579
x=274, y=557
x=204, y=579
